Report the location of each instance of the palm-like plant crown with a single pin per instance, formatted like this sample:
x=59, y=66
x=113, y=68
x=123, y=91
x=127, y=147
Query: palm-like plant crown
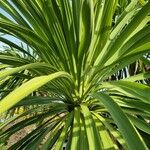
x=61, y=82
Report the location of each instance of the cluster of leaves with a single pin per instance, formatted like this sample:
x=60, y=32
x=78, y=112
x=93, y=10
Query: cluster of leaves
x=83, y=76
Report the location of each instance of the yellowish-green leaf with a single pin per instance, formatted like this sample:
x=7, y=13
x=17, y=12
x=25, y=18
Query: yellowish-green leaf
x=26, y=89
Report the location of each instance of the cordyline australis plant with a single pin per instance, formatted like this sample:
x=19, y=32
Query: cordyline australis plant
x=62, y=82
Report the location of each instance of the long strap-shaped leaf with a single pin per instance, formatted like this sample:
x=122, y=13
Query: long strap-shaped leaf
x=13, y=60
x=115, y=133
x=107, y=52
x=8, y=72
x=131, y=89
x=140, y=76
x=63, y=134
x=107, y=142
x=26, y=89
x=76, y=129
x=133, y=139
x=91, y=129
x=141, y=124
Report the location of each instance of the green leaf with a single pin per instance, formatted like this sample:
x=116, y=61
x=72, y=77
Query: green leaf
x=136, y=90
x=124, y=125
x=63, y=134
x=38, y=100
x=140, y=76
x=76, y=129
x=114, y=132
x=106, y=141
x=51, y=141
x=91, y=130
x=26, y=89
x=141, y=124
x=34, y=144
x=7, y=72
x=110, y=49
x=83, y=141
